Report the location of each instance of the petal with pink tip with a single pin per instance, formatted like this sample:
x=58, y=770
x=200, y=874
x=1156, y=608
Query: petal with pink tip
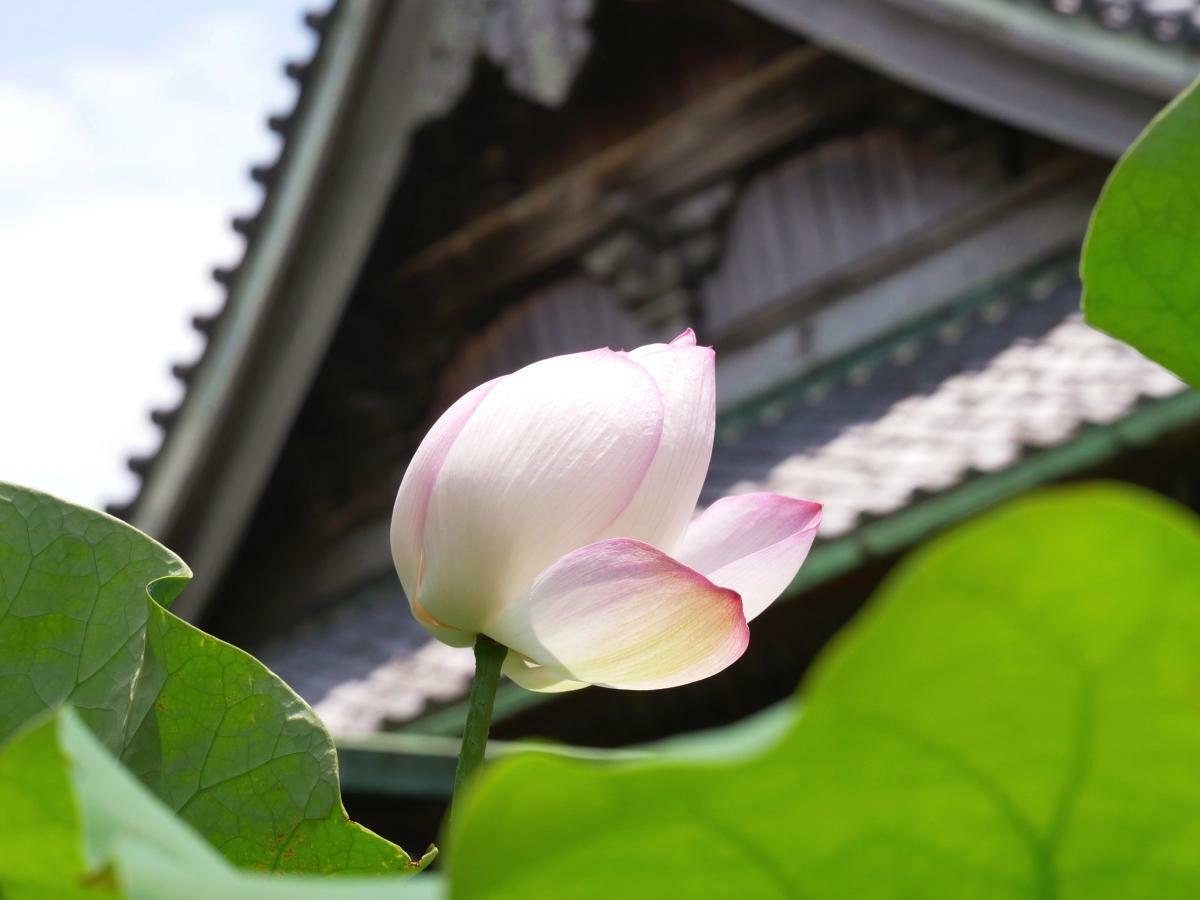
x=412, y=500
x=549, y=459
x=753, y=544
x=533, y=677
x=685, y=338
x=620, y=613
x=685, y=374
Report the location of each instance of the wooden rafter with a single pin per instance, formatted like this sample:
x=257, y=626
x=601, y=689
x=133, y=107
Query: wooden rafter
x=778, y=104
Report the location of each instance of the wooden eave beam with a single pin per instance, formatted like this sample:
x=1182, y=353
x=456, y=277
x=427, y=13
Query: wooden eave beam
x=939, y=236
x=764, y=110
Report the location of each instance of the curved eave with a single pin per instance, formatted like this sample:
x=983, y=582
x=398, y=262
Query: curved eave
x=1067, y=79
x=383, y=68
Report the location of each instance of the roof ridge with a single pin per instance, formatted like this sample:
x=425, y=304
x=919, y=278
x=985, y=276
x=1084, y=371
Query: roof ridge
x=1160, y=21
x=246, y=225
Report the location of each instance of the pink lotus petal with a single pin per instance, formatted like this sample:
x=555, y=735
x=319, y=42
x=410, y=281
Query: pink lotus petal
x=533, y=677
x=412, y=501
x=685, y=338
x=685, y=374
x=447, y=634
x=549, y=459
x=623, y=614
x=753, y=544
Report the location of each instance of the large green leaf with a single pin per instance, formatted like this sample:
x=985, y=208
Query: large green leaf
x=1141, y=266
x=74, y=823
x=146, y=875
x=42, y=852
x=1016, y=715
x=223, y=741
x=66, y=804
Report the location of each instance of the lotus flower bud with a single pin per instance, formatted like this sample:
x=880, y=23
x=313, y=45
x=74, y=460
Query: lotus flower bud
x=552, y=510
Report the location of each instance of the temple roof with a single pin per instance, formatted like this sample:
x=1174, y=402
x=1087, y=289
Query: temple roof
x=998, y=389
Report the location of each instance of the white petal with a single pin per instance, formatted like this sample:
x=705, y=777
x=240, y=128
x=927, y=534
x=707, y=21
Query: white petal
x=623, y=614
x=546, y=463
x=753, y=544
x=447, y=634
x=533, y=677
x=685, y=375
x=685, y=338
x=412, y=500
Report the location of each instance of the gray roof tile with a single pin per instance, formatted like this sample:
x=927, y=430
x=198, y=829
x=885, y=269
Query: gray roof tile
x=368, y=663
x=975, y=402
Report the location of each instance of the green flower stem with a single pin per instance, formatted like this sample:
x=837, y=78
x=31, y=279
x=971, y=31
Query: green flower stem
x=489, y=656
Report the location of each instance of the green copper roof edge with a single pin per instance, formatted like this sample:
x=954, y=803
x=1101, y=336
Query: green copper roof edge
x=398, y=764
x=1092, y=446
x=448, y=720
x=1060, y=265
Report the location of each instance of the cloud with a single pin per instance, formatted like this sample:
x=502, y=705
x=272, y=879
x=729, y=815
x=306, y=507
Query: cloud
x=117, y=185
x=46, y=136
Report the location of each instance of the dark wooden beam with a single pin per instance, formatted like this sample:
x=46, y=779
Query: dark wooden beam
x=999, y=203
x=774, y=106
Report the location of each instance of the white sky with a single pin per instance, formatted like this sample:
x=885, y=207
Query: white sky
x=126, y=133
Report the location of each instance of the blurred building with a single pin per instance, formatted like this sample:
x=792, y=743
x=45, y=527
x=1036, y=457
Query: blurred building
x=872, y=208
